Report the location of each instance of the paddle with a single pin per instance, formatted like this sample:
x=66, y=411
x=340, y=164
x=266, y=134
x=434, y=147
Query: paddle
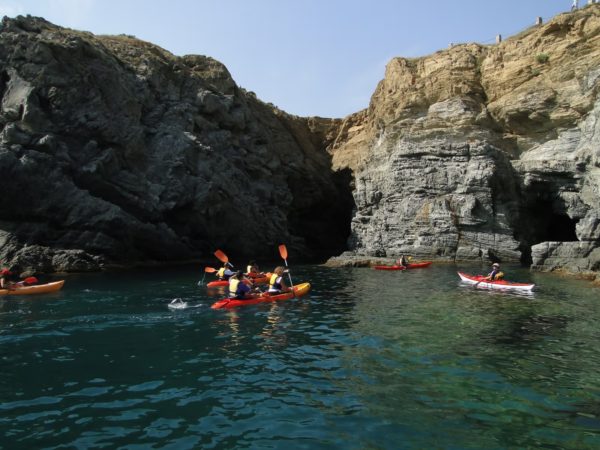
x=222, y=257
x=206, y=270
x=482, y=279
x=284, y=254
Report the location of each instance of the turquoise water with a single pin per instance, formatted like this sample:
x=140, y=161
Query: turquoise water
x=368, y=360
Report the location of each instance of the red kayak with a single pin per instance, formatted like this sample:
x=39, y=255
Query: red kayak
x=419, y=265
x=389, y=267
x=480, y=281
x=259, y=279
x=408, y=266
x=299, y=290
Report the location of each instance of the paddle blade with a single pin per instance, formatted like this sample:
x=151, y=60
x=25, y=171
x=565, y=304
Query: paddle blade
x=210, y=270
x=221, y=256
x=283, y=251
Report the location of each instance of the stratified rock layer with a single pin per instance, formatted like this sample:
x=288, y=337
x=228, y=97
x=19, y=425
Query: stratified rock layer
x=114, y=151
x=484, y=152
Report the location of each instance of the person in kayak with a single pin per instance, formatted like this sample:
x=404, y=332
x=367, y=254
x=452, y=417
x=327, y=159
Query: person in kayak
x=402, y=261
x=252, y=269
x=6, y=280
x=224, y=273
x=238, y=288
x=495, y=274
x=276, y=283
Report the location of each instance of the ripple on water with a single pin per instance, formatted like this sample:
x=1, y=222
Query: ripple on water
x=367, y=360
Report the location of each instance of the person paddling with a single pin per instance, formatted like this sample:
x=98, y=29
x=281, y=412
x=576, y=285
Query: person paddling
x=495, y=274
x=6, y=280
x=238, y=288
x=224, y=273
x=276, y=283
x=403, y=261
x=252, y=269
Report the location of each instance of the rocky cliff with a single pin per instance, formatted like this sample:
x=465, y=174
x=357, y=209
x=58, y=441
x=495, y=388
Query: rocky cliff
x=484, y=152
x=114, y=151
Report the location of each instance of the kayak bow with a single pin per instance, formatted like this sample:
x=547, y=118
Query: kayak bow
x=36, y=289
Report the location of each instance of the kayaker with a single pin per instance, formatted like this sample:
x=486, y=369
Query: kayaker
x=276, y=283
x=403, y=261
x=238, y=288
x=495, y=274
x=252, y=269
x=224, y=273
x=6, y=281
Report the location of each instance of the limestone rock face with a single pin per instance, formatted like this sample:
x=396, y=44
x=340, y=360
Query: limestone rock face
x=114, y=151
x=484, y=152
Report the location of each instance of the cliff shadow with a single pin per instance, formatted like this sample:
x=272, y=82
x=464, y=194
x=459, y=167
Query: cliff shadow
x=325, y=223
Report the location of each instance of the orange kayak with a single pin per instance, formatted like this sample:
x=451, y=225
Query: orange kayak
x=299, y=290
x=35, y=289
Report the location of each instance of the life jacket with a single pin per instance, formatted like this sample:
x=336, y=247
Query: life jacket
x=498, y=276
x=221, y=274
x=275, y=283
x=233, y=286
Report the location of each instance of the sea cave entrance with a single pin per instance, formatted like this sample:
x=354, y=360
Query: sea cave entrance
x=541, y=223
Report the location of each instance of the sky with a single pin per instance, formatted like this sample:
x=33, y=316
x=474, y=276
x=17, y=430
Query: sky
x=308, y=57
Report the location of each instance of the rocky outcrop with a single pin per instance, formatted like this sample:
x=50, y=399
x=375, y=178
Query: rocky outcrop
x=484, y=152
x=114, y=151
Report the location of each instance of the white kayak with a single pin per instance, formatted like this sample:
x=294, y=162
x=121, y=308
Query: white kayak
x=480, y=281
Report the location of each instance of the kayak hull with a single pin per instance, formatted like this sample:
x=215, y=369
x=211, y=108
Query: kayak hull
x=227, y=303
x=408, y=266
x=255, y=280
x=35, y=289
x=389, y=267
x=501, y=284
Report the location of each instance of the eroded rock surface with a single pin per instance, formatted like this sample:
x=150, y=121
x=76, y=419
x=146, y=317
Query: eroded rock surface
x=484, y=152
x=114, y=151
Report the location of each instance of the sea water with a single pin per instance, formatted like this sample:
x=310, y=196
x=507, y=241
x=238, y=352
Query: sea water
x=369, y=359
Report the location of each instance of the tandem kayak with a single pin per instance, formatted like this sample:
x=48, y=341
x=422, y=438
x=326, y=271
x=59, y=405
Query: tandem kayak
x=408, y=266
x=480, y=281
x=255, y=280
x=35, y=289
x=299, y=290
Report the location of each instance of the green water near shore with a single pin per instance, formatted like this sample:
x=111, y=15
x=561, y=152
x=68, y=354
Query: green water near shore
x=369, y=359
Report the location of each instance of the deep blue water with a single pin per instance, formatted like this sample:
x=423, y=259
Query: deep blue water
x=368, y=360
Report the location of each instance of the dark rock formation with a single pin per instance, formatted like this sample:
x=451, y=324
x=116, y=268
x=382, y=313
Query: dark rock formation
x=114, y=151
x=484, y=152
